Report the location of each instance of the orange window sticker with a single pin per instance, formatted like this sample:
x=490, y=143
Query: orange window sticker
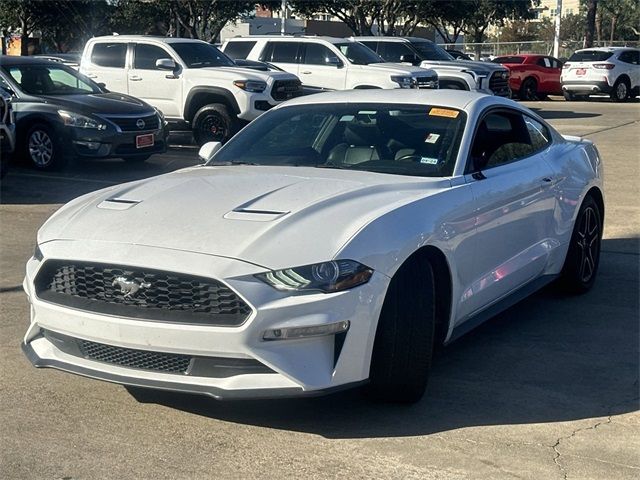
x=444, y=112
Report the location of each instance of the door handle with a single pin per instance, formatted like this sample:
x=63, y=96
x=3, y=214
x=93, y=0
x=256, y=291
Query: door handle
x=306, y=73
x=135, y=78
x=547, y=182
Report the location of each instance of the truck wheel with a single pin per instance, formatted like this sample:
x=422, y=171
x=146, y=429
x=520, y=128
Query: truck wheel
x=42, y=148
x=213, y=123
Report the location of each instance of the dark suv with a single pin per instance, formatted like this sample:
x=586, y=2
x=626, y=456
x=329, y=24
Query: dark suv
x=61, y=114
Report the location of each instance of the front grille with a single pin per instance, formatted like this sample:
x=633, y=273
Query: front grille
x=150, y=294
x=499, y=83
x=128, y=357
x=286, y=89
x=427, y=82
x=130, y=124
x=197, y=366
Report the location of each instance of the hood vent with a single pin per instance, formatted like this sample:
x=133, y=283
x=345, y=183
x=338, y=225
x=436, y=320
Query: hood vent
x=117, y=203
x=254, y=214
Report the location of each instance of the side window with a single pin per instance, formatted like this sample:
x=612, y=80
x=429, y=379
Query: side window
x=393, y=51
x=629, y=57
x=146, y=56
x=109, y=54
x=239, y=49
x=284, y=52
x=503, y=137
x=538, y=134
x=555, y=63
x=316, y=54
x=544, y=62
x=372, y=45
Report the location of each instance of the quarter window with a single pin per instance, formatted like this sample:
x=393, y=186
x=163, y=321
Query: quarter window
x=146, y=56
x=109, y=54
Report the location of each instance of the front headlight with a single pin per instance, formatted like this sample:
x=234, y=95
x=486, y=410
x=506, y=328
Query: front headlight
x=71, y=119
x=404, y=81
x=327, y=277
x=251, y=85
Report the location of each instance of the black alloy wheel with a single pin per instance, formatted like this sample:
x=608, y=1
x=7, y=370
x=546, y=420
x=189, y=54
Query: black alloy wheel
x=529, y=90
x=213, y=123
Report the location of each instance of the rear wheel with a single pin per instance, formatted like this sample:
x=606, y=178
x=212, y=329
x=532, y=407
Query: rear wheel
x=213, y=123
x=403, y=346
x=583, y=257
x=620, y=92
x=43, y=149
x=529, y=90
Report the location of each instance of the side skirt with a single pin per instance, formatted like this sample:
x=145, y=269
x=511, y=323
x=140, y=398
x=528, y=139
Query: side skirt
x=500, y=306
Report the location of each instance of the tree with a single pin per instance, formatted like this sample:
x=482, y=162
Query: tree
x=590, y=24
x=358, y=15
x=446, y=17
x=20, y=15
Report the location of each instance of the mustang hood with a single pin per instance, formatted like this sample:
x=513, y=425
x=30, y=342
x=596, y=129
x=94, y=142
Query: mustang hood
x=246, y=212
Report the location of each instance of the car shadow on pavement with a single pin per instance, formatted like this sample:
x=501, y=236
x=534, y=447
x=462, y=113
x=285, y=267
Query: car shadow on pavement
x=550, y=358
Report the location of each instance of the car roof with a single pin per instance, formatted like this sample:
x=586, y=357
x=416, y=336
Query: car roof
x=10, y=60
x=392, y=39
x=606, y=49
x=288, y=38
x=151, y=38
x=443, y=98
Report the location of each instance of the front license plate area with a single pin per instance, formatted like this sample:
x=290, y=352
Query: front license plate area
x=143, y=141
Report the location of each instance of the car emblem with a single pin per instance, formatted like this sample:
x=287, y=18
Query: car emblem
x=140, y=123
x=129, y=287
x=504, y=75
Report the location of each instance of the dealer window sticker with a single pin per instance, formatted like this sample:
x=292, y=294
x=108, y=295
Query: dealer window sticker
x=444, y=112
x=429, y=160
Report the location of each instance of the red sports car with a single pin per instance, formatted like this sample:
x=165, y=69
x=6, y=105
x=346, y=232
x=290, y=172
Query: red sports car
x=533, y=77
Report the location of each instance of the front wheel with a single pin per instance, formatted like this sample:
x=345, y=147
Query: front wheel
x=404, y=341
x=213, y=123
x=583, y=257
x=43, y=149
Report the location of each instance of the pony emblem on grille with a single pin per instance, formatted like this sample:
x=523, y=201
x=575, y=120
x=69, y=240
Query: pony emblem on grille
x=129, y=287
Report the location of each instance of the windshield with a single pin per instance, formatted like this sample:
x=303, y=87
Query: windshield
x=199, y=55
x=51, y=80
x=431, y=51
x=590, y=56
x=358, y=54
x=417, y=140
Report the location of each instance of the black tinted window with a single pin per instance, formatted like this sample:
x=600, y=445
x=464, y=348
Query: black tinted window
x=513, y=60
x=503, y=137
x=284, y=52
x=238, y=49
x=393, y=51
x=146, y=56
x=109, y=54
x=316, y=54
x=372, y=45
x=590, y=56
x=201, y=55
x=629, y=57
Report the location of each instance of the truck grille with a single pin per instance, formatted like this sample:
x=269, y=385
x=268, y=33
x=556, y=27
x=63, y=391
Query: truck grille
x=499, y=83
x=286, y=89
x=427, y=82
x=141, y=359
x=130, y=124
x=140, y=293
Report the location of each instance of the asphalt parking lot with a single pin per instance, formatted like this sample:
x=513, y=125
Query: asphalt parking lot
x=547, y=390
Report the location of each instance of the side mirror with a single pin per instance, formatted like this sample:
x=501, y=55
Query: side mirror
x=166, y=64
x=208, y=150
x=410, y=58
x=335, y=61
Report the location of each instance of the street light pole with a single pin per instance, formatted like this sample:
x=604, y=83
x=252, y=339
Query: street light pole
x=556, y=35
x=283, y=14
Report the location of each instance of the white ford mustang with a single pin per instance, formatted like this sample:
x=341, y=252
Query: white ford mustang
x=333, y=242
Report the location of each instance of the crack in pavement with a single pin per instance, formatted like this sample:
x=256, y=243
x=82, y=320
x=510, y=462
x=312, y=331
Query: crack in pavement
x=606, y=129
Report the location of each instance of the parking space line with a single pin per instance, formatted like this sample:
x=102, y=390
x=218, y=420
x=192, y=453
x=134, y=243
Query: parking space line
x=60, y=177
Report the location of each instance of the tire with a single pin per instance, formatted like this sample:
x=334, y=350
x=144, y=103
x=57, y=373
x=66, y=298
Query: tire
x=213, y=123
x=529, y=90
x=404, y=341
x=620, y=91
x=583, y=257
x=42, y=148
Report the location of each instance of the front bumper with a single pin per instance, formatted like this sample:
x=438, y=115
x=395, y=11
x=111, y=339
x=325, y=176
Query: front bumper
x=111, y=143
x=307, y=366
